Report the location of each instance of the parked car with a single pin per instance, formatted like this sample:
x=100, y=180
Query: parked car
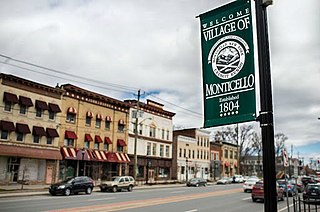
x=225, y=180
x=258, y=192
x=249, y=183
x=72, y=185
x=288, y=188
x=312, y=193
x=118, y=183
x=197, y=182
x=298, y=185
x=238, y=179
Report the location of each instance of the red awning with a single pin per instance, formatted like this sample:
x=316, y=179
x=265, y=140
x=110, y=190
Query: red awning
x=54, y=108
x=87, y=137
x=7, y=126
x=72, y=110
x=121, y=122
x=226, y=163
x=89, y=114
x=41, y=105
x=51, y=132
x=121, y=142
x=108, y=118
x=68, y=153
x=107, y=140
x=39, y=131
x=97, y=139
x=99, y=117
x=122, y=157
x=10, y=97
x=29, y=152
x=70, y=135
x=112, y=157
x=25, y=101
x=22, y=128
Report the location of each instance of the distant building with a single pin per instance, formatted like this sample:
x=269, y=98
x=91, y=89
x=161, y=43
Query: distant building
x=191, y=154
x=215, y=160
x=154, y=141
x=229, y=159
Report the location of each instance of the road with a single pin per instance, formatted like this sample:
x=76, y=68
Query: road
x=226, y=198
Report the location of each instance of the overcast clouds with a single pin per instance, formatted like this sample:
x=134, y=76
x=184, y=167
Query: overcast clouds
x=155, y=46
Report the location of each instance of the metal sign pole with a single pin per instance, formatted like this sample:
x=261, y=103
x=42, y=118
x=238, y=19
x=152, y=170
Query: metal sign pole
x=266, y=114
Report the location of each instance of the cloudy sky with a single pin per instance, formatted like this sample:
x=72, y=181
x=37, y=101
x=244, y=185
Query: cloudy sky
x=116, y=47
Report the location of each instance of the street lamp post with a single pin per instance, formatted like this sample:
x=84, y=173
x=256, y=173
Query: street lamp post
x=187, y=169
x=83, y=152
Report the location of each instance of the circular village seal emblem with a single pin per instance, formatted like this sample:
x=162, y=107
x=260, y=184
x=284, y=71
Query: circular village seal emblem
x=227, y=56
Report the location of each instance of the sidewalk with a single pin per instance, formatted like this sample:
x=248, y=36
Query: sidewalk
x=15, y=190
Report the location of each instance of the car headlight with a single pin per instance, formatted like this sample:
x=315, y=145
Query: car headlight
x=61, y=187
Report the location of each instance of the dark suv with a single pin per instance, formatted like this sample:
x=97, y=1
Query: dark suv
x=72, y=185
x=312, y=193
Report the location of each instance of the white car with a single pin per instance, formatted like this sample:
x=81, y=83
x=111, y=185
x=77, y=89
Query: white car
x=249, y=183
x=238, y=179
x=224, y=180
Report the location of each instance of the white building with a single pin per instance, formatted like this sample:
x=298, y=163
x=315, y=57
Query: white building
x=154, y=141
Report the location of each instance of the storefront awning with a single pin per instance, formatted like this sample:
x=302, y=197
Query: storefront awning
x=70, y=135
x=52, y=133
x=39, y=131
x=97, y=139
x=10, y=97
x=54, y=108
x=226, y=163
x=121, y=142
x=25, y=101
x=22, y=128
x=7, y=126
x=29, y=152
x=88, y=138
x=122, y=157
x=107, y=140
x=41, y=105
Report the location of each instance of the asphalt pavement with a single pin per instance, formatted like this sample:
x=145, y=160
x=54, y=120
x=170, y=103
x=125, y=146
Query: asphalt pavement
x=15, y=190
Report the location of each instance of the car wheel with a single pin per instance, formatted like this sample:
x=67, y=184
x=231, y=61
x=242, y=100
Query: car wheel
x=205, y=184
x=197, y=185
x=53, y=194
x=102, y=189
x=254, y=199
x=67, y=192
x=130, y=188
x=89, y=190
x=114, y=189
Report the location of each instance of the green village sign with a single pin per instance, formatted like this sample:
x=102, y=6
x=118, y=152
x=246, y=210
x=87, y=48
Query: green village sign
x=228, y=64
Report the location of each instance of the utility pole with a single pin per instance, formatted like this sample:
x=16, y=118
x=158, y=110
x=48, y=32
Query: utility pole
x=266, y=113
x=135, y=159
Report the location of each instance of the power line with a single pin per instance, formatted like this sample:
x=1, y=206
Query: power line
x=121, y=88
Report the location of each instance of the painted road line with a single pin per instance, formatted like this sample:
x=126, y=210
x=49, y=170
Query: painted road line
x=175, y=192
x=107, y=198
x=147, y=202
x=194, y=210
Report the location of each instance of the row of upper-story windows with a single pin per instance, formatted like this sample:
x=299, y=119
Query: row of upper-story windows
x=25, y=103
x=18, y=133
x=72, y=117
x=152, y=149
x=231, y=154
x=203, y=141
x=153, y=131
x=192, y=154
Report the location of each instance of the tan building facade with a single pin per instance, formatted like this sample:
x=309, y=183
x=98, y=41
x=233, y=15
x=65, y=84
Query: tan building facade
x=93, y=133
x=229, y=159
x=191, y=154
x=29, y=117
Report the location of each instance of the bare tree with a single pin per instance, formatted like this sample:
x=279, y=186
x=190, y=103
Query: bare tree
x=244, y=137
x=280, y=139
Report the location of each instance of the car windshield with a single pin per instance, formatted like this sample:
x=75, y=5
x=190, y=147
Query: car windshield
x=251, y=181
x=115, y=179
x=193, y=180
x=69, y=180
x=309, y=187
